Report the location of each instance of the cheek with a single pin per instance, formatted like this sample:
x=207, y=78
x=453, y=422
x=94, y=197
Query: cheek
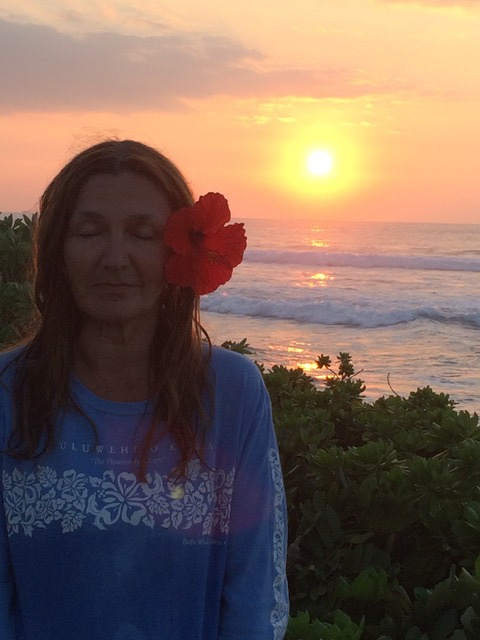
x=70, y=261
x=75, y=265
x=154, y=265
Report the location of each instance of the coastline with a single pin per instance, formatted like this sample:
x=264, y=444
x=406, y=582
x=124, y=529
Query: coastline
x=404, y=356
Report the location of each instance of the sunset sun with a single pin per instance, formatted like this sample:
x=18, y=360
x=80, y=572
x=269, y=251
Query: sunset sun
x=320, y=162
x=316, y=166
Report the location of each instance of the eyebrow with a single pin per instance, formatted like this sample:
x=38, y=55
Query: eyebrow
x=96, y=216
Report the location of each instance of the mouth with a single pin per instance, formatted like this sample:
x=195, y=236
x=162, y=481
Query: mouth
x=113, y=287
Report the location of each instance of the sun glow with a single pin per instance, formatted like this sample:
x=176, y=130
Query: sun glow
x=320, y=162
x=323, y=169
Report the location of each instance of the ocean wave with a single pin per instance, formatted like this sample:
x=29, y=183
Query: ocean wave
x=319, y=258
x=336, y=313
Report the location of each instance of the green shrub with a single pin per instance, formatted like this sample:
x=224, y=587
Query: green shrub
x=342, y=628
x=16, y=248
x=16, y=304
x=384, y=508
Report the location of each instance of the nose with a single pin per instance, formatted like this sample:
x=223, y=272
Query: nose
x=115, y=254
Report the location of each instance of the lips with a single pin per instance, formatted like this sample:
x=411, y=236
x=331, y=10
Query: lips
x=113, y=285
x=114, y=288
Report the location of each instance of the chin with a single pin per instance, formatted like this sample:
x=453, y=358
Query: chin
x=116, y=314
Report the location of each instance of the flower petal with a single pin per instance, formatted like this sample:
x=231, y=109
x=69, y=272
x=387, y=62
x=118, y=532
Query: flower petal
x=198, y=272
x=229, y=243
x=181, y=270
x=204, y=249
x=211, y=275
x=211, y=213
x=177, y=233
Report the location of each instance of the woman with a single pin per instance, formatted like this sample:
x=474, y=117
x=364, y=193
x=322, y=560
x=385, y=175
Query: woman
x=142, y=496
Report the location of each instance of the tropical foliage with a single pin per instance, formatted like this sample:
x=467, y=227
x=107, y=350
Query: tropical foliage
x=16, y=304
x=384, y=509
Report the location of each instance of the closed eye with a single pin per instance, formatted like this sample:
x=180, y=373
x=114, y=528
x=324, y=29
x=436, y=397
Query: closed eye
x=144, y=232
x=86, y=230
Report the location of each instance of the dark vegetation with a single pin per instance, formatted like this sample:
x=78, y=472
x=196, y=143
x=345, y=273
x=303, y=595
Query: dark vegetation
x=16, y=306
x=383, y=498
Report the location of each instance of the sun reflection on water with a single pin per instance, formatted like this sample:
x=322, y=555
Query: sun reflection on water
x=319, y=279
x=311, y=369
x=295, y=350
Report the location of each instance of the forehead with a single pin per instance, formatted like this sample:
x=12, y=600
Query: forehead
x=125, y=194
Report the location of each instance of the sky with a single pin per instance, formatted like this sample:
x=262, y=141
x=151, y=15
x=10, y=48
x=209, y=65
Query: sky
x=239, y=93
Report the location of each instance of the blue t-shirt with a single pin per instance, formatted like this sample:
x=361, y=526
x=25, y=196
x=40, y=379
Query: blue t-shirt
x=87, y=551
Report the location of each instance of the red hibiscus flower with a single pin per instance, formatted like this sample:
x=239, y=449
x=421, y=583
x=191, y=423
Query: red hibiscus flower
x=205, y=251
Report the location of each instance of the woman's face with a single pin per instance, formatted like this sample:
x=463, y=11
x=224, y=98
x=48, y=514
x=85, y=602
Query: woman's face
x=114, y=254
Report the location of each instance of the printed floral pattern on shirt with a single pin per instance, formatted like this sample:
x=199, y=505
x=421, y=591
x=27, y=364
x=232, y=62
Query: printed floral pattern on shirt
x=36, y=499
x=279, y=614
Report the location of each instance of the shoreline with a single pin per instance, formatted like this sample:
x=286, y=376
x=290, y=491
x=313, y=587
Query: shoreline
x=403, y=356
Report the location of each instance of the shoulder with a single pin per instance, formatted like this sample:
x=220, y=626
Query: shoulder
x=8, y=367
x=237, y=380
x=241, y=403
x=9, y=361
x=234, y=368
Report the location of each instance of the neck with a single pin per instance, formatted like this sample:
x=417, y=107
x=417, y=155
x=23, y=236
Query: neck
x=113, y=361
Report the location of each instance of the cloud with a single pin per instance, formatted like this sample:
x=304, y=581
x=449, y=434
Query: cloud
x=45, y=70
x=443, y=4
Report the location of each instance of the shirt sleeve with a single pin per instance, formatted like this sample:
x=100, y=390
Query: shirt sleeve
x=7, y=592
x=8, y=629
x=255, y=594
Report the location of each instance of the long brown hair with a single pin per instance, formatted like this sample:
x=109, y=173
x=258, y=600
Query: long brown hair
x=178, y=365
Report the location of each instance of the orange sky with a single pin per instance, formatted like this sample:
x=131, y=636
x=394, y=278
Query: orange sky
x=238, y=93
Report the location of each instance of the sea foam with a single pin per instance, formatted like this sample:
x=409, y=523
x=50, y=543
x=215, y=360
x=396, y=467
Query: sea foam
x=319, y=258
x=328, y=312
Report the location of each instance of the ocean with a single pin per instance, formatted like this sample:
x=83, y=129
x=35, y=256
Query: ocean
x=403, y=299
